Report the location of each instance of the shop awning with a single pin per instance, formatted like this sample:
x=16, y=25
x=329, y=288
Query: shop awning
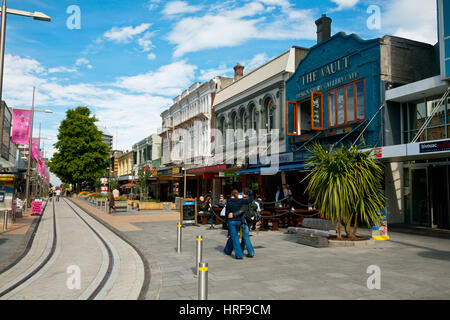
x=274, y=170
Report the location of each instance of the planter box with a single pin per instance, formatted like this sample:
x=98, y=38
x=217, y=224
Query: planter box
x=150, y=206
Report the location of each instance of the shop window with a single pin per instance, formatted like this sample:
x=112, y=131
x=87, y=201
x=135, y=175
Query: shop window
x=317, y=111
x=292, y=128
x=347, y=104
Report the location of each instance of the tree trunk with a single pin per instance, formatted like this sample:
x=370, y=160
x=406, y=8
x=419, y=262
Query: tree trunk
x=339, y=230
x=355, y=227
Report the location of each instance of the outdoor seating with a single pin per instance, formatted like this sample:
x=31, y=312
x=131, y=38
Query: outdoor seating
x=315, y=232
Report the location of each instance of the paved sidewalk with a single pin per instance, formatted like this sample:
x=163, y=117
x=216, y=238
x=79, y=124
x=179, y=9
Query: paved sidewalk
x=412, y=266
x=14, y=241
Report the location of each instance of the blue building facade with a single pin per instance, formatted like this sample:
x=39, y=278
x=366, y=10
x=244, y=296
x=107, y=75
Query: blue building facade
x=333, y=94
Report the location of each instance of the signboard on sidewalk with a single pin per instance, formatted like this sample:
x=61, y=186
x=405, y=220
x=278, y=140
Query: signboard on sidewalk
x=380, y=233
x=188, y=213
x=36, y=207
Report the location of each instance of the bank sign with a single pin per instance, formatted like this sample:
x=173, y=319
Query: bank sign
x=443, y=10
x=435, y=146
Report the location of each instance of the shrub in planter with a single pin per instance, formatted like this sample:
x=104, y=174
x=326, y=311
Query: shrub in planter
x=346, y=184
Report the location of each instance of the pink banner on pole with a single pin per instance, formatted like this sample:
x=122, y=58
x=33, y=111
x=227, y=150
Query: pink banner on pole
x=40, y=163
x=34, y=148
x=21, y=127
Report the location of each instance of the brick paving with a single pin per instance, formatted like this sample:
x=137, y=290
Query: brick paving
x=412, y=266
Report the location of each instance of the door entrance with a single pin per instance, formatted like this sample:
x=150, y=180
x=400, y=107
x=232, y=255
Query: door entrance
x=430, y=195
x=419, y=184
x=439, y=195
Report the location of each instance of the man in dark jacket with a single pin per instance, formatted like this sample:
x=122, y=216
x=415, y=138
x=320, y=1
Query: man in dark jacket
x=234, y=214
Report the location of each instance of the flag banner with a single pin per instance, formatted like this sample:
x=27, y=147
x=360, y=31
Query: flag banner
x=21, y=127
x=41, y=164
x=34, y=148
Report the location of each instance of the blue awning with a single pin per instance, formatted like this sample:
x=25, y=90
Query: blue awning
x=268, y=171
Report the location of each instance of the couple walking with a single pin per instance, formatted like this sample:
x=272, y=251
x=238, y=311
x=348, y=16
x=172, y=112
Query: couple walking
x=235, y=213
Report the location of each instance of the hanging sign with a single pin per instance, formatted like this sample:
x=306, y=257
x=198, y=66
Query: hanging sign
x=21, y=127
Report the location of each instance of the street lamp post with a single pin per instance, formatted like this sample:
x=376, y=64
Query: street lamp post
x=5, y=11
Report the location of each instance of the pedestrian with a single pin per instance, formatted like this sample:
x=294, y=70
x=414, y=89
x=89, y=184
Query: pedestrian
x=234, y=218
x=277, y=194
x=58, y=194
x=112, y=203
x=245, y=227
x=287, y=194
x=116, y=193
x=207, y=207
x=50, y=194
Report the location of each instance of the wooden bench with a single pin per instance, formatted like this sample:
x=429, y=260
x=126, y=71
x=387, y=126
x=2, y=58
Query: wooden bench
x=121, y=205
x=315, y=232
x=203, y=217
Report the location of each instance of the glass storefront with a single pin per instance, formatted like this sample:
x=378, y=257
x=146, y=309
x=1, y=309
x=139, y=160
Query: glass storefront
x=427, y=193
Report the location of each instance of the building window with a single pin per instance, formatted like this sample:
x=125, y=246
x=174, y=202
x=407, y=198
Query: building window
x=414, y=115
x=245, y=123
x=269, y=114
x=253, y=119
x=347, y=104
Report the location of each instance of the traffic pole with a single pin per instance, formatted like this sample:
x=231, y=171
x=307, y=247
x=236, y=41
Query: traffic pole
x=179, y=242
x=199, y=252
x=203, y=281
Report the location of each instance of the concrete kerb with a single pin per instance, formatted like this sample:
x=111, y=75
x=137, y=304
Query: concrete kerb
x=153, y=264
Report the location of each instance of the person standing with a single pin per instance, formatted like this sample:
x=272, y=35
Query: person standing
x=234, y=214
x=207, y=207
x=58, y=194
x=277, y=194
x=116, y=193
x=112, y=203
x=245, y=227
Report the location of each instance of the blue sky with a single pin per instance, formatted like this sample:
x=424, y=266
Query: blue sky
x=130, y=58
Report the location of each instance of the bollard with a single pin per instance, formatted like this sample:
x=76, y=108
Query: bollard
x=199, y=252
x=179, y=237
x=203, y=281
x=5, y=220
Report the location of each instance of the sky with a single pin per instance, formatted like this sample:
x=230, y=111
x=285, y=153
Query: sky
x=127, y=60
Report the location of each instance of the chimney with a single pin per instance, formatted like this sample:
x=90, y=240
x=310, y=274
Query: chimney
x=238, y=71
x=323, y=28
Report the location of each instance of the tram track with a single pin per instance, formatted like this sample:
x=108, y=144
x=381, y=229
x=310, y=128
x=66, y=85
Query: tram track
x=28, y=277
x=108, y=272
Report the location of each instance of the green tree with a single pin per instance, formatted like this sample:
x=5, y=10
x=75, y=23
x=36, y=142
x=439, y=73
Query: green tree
x=81, y=154
x=113, y=183
x=346, y=184
x=142, y=184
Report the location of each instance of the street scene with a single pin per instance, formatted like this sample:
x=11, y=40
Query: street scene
x=243, y=152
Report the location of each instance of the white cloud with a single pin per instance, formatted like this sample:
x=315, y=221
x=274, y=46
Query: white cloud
x=178, y=7
x=151, y=56
x=83, y=62
x=345, y=4
x=222, y=70
x=131, y=106
x=61, y=69
x=153, y=4
x=168, y=80
x=231, y=26
x=125, y=34
x=255, y=62
x=412, y=19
